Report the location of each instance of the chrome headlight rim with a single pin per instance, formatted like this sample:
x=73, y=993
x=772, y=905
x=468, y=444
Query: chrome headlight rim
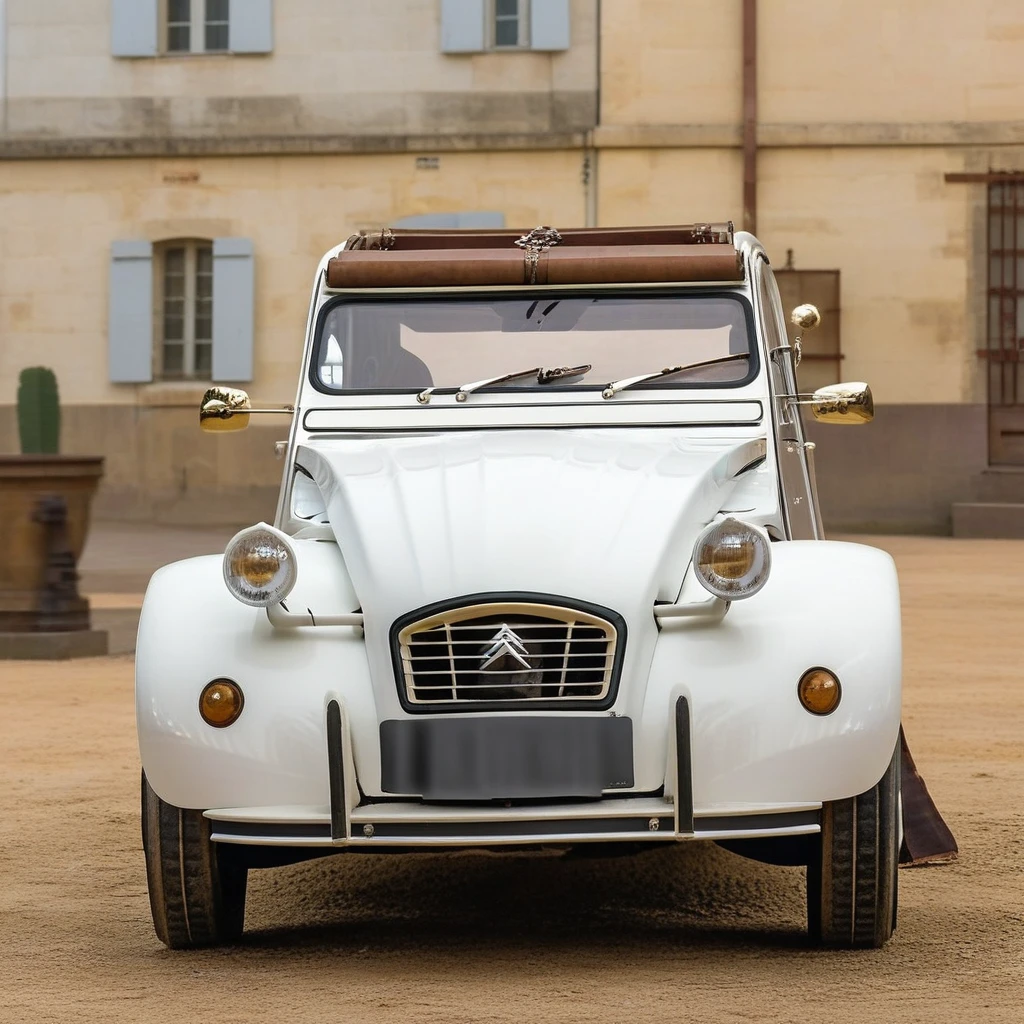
x=751, y=581
x=275, y=543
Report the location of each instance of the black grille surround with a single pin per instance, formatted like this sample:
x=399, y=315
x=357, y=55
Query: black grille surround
x=445, y=683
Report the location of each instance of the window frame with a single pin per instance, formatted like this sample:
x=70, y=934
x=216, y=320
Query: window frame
x=198, y=24
x=523, y=25
x=189, y=341
x=593, y=388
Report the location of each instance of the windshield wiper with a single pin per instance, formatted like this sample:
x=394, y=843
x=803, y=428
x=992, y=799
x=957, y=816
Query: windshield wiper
x=539, y=374
x=627, y=382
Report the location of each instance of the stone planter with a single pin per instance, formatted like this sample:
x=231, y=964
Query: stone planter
x=44, y=509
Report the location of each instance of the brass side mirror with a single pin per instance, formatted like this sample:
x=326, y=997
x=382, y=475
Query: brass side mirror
x=229, y=409
x=843, y=403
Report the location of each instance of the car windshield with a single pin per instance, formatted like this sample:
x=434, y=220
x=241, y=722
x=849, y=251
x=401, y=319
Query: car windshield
x=412, y=344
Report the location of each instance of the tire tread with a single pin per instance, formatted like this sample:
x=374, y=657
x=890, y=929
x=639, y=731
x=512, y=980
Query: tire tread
x=197, y=898
x=852, y=881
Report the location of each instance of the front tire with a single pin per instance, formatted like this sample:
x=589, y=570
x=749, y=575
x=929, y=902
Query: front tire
x=852, y=878
x=196, y=894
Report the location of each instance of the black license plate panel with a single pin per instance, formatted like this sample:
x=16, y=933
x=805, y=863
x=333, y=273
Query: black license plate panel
x=506, y=757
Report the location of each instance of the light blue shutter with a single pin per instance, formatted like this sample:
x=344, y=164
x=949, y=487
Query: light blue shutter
x=481, y=219
x=549, y=25
x=133, y=28
x=251, y=26
x=130, y=316
x=462, y=26
x=233, y=298
x=448, y=221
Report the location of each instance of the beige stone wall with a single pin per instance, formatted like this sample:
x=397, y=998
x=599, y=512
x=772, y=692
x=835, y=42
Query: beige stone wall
x=337, y=66
x=882, y=71
x=884, y=217
x=58, y=219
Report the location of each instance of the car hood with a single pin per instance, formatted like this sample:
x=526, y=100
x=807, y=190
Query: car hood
x=607, y=517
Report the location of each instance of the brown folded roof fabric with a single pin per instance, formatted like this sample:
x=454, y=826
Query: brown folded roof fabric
x=681, y=234
x=509, y=265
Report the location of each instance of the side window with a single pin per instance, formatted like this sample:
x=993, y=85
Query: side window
x=148, y=28
x=822, y=358
x=181, y=309
x=474, y=26
x=768, y=296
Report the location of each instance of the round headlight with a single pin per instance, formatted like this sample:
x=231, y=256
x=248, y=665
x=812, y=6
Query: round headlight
x=732, y=559
x=259, y=566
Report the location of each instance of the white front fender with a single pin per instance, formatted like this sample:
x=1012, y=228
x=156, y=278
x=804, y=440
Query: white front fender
x=827, y=604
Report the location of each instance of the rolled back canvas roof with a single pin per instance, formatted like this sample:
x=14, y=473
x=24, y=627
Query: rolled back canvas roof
x=397, y=258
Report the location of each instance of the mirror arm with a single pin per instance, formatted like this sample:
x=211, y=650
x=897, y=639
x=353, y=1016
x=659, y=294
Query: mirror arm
x=283, y=410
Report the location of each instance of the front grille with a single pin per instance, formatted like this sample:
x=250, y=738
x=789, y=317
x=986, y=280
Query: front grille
x=507, y=652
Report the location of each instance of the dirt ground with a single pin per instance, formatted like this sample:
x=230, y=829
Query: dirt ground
x=686, y=934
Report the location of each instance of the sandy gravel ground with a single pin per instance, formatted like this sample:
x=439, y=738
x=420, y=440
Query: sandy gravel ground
x=689, y=934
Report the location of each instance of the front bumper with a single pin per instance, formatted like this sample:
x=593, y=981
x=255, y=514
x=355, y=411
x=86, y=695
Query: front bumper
x=350, y=823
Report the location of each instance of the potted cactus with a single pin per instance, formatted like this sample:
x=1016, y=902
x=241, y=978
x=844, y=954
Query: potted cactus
x=44, y=506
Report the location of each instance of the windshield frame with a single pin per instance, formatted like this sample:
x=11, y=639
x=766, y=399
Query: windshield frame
x=736, y=293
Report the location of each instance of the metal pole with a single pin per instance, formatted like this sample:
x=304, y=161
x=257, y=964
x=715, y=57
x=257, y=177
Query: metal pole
x=750, y=115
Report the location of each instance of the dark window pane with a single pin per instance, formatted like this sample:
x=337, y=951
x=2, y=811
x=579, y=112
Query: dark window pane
x=995, y=231
x=216, y=10
x=179, y=10
x=204, y=259
x=178, y=39
x=506, y=32
x=204, y=326
x=204, y=360
x=174, y=328
x=216, y=37
x=174, y=363
x=506, y=8
x=174, y=262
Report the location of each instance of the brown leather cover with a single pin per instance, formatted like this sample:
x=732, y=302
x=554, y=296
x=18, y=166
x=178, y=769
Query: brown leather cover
x=680, y=234
x=926, y=837
x=606, y=264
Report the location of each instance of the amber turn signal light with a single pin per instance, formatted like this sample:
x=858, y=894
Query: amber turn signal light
x=221, y=703
x=819, y=691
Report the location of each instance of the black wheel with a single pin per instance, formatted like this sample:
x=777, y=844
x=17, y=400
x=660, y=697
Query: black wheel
x=852, y=877
x=196, y=893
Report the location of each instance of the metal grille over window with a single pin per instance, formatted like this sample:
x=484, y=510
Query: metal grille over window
x=507, y=653
x=1006, y=322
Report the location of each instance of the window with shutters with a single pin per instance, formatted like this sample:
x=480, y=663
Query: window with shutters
x=148, y=28
x=476, y=26
x=184, y=313
x=196, y=26
x=510, y=24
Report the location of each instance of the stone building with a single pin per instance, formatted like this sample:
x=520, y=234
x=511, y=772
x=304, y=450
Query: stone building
x=171, y=170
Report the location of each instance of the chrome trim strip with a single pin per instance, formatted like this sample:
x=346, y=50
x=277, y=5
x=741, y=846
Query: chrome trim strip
x=626, y=828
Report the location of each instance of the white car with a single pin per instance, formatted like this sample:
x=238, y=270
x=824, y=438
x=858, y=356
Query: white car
x=547, y=569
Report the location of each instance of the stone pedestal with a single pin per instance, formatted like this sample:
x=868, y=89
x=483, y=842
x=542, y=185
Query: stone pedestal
x=44, y=507
x=79, y=643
